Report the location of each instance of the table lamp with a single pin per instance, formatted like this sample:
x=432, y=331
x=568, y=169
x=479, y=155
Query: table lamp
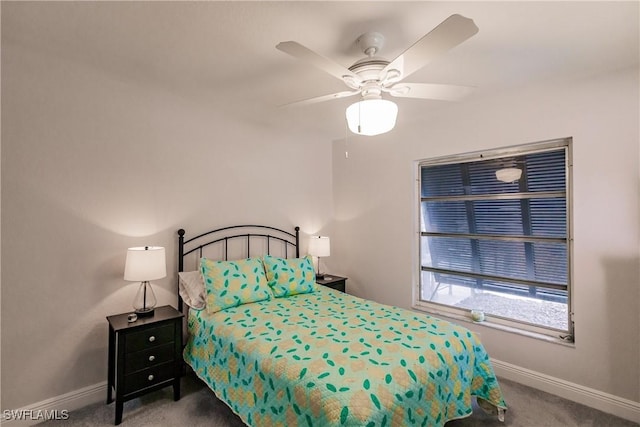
x=144, y=264
x=319, y=246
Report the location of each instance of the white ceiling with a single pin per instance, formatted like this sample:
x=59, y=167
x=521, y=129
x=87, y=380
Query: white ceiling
x=223, y=53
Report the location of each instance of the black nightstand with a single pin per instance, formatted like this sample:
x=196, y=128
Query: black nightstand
x=335, y=282
x=144, y=355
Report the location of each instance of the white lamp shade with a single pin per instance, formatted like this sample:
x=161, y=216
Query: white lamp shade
x=319, y=246
x=508, y=174
x=145, y=263
x=372, y=116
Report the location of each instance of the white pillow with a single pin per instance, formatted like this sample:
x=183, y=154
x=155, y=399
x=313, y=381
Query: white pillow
x=191, y=288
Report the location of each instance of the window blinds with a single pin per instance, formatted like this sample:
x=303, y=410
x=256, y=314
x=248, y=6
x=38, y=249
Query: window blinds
x=512, y=237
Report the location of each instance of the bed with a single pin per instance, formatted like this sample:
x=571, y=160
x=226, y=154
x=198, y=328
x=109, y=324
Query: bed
x=313, y=356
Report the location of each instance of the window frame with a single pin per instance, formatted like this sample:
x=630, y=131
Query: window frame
x=511, y=325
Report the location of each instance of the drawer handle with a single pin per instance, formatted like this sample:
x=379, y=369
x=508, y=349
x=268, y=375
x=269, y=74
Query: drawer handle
x=152, y=358
x=150, y=377
x=152, y=338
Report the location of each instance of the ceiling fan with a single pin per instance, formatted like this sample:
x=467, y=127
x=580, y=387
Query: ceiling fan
x=372, y=75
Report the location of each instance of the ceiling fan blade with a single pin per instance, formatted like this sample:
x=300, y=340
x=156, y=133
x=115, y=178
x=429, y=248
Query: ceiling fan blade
x=299, y=51
x=430, y=91
x=450, y=33
x=323, y=98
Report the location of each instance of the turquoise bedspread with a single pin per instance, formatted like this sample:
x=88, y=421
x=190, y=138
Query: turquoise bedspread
x=331, y=359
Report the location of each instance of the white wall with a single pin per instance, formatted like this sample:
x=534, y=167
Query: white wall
x=92, y=164
x=375, y=206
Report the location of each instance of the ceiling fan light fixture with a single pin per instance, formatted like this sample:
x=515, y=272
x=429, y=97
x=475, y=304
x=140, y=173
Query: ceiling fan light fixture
x=508, y=174
x=372, y=116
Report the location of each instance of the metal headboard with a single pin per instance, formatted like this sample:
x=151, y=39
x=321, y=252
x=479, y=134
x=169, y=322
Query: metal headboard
x=269, y=236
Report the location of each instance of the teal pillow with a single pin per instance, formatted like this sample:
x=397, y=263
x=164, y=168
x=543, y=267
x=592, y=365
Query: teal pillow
x=288, y=277
x=233, y=283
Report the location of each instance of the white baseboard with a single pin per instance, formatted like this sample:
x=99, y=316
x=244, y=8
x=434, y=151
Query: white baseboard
x=605, y=402
x=71, y=401
x=621, y=407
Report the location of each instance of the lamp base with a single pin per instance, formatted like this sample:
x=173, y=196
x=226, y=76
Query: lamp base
x=320, y=276
x=145, y=300
x=144, y=312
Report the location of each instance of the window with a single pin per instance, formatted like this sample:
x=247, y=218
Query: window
x=496, y=243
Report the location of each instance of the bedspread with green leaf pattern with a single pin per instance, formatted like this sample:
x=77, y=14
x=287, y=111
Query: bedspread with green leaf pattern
x=331, y=359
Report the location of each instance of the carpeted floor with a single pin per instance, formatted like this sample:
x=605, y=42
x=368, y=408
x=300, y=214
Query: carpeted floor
x=199, y=407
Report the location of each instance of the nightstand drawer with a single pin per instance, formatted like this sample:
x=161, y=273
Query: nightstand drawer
x=148, y=338
x=334, y=282
x=338, y=286
x=148, y=358
x=148, y=377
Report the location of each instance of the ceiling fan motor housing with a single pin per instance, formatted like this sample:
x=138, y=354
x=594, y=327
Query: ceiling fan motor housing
x=368, y=69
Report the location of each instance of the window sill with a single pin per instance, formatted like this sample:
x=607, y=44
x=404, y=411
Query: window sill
x=488, y=323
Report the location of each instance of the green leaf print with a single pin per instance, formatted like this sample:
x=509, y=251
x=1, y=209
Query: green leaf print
x=344, y=414
x=375, y=401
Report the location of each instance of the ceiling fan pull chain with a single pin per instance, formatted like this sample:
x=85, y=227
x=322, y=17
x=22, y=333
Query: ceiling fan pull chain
x=346, y=139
